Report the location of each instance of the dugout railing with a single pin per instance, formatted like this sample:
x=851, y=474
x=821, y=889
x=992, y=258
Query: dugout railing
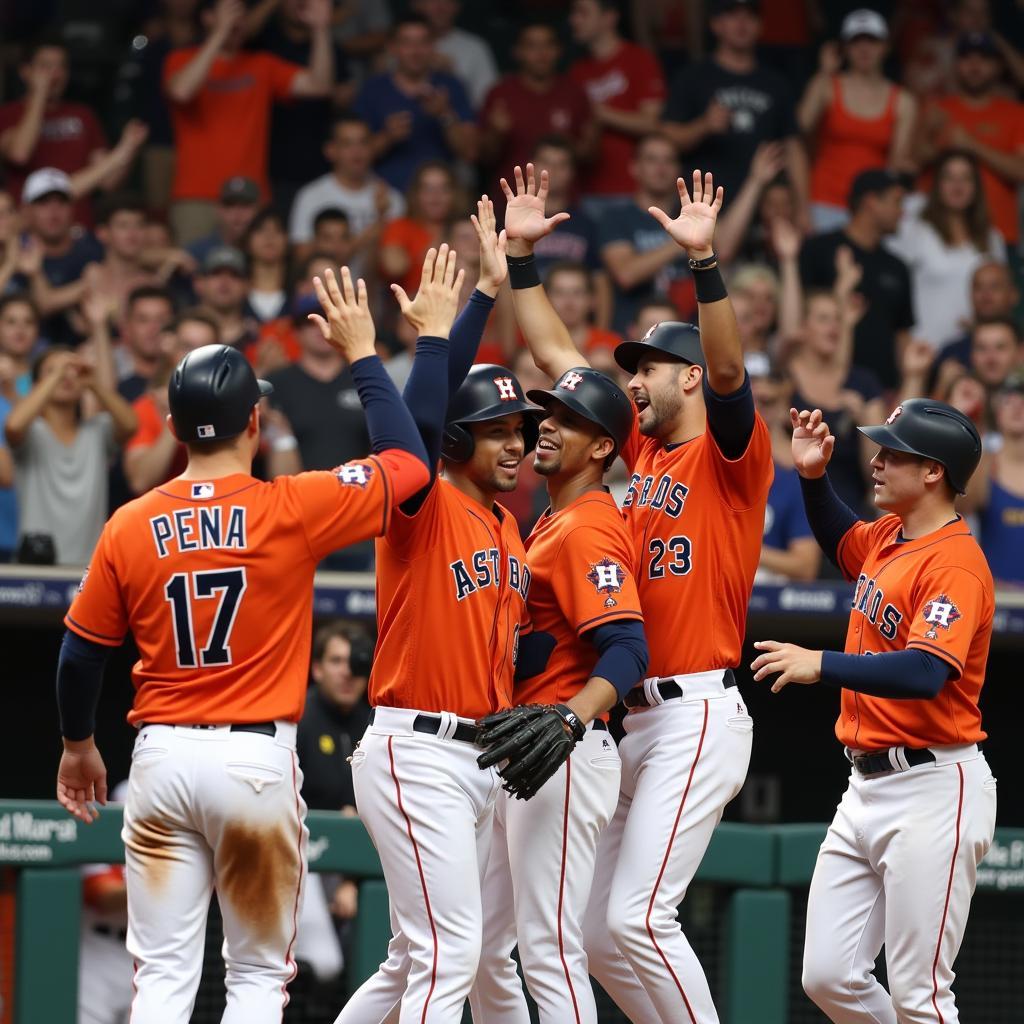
x=748, y=898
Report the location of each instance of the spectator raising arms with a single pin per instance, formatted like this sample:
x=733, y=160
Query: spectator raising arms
x=626, y=88
x=721, y=109
x=857, y=118
x=221, y=98
x=61, y=455
x=944, y=244
x=415, y=112
x=535, y=101
x=432, y=200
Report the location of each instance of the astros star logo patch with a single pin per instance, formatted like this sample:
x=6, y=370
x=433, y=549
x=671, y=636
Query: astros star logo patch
x=607, y=577
x=355, y=474
x=941, y=612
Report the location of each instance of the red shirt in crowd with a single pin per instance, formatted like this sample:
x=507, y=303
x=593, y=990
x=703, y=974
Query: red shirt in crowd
x=224, y=130
x=630, y=77
x=562, y=110
x=69, y=135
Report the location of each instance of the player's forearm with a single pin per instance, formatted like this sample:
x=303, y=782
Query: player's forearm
x=466, y=333
x=388, y=420
x=547, y=337
x=622, y=646
x=79, y=680
x=426, y=394
x=719, y=333
x=597, y=696
x=901, y=675
x=829, y=517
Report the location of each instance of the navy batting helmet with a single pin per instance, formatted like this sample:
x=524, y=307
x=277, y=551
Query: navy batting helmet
x=595, y=397
x=669, y=338
x=932, y=430
x=212, y=392
x=488, y=393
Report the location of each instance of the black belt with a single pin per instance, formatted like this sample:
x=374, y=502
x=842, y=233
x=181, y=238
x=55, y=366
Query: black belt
x=879, y=762
x=431, y=724
x=263, y=728
x=668, y=688
x=110, y=932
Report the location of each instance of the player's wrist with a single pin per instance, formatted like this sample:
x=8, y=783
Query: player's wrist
x=79, y=746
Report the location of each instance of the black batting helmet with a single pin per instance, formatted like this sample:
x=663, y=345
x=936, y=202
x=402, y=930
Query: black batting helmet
x=670, y=337
x=595, y=397
x=212, y=392
x=488, y=393
x=933, y=430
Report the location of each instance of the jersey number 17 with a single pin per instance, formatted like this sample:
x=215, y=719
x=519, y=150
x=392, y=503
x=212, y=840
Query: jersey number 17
x=226, y=584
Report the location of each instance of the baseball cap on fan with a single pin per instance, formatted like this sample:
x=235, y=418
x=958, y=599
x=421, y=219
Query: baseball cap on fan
x=45, y=182
x=240, y=190
x=976, y=42
x=864, y=22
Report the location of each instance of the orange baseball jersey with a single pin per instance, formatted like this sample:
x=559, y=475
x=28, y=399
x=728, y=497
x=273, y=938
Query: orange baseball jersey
x=582, y=577
x=695, y=519
x=934, y=593
x=452, y=582
x=215, y=581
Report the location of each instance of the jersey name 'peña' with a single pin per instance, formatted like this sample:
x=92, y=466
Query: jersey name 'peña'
x=867, y=599
x=199, y=529
x=668, y=496
x=484, y=570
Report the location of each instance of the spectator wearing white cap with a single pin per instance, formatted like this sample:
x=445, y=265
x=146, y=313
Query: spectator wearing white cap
x=856, y=116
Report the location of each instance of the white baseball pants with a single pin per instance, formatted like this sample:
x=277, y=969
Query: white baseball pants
x=683, y=760
x=898, y=866
x=537, y=887
x=429, y=808
x=211, y=808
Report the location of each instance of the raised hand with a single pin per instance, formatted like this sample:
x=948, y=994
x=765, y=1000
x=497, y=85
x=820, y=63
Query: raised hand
x=830, y=58
x=318, y=14
x=226, y=15
x=433, y=310
x=769, y=158
x=694, y=228
x=524, y=214
x=917, y=359
x=349, y=325
x=812, y=443
x=785, y=239
x=493, y=264
x=848, y=271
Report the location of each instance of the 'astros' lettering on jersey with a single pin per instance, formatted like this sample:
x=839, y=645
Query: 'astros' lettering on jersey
x=452, y=582
x=583, y=577
x=695, y=519
x=215, y=581
x=934, y=593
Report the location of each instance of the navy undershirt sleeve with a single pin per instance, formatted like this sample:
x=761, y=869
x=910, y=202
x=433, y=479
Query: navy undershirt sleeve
x=426, y=394
x=388, y=420
x=464, y=340
x=901, y=675
x=830, y=518
x=79, y=678
x=730, y=417
x=534, y=651
x=623, y=659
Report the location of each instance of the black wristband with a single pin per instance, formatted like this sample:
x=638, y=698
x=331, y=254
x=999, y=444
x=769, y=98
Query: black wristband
x=522, y=271
x=709, y=285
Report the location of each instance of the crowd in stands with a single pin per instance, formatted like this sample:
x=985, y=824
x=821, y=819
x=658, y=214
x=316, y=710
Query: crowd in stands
x=178, y=182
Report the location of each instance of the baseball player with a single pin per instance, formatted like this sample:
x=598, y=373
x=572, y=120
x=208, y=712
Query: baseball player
x=899, y=862
x=452, y=580
x=213, y=572
x=701, y=466
x=588, y=649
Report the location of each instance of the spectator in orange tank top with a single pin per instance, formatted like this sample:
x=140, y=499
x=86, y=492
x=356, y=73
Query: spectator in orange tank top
x=432, y=201
x=977, y=119
x=861, y=119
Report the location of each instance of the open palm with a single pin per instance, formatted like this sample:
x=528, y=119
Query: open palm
x=524, y=214
x=694, y=228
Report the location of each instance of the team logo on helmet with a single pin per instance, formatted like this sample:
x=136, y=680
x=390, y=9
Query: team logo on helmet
x=894, y=415
x=356, y=474
x=607, y=577
x=571, y=381
x=506, y=389
x=940, y=612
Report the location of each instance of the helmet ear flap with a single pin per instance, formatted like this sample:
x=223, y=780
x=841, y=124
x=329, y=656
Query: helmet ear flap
x=457, y=444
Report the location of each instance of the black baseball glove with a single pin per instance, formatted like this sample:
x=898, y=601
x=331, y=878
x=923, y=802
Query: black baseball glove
x=535, y=740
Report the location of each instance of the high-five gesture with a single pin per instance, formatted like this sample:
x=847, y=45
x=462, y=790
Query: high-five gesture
x=524, y=215
x=349, y=326
x=493, y=265
x=694, y=228
x=433, y=310
x=812, y=443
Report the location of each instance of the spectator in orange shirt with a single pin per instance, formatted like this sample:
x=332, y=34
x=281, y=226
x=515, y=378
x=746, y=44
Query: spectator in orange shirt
x=983, y=123
x=432, y=200
x=625, y=86
x=221, y=98
x=153, y=454
x=570, y=288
